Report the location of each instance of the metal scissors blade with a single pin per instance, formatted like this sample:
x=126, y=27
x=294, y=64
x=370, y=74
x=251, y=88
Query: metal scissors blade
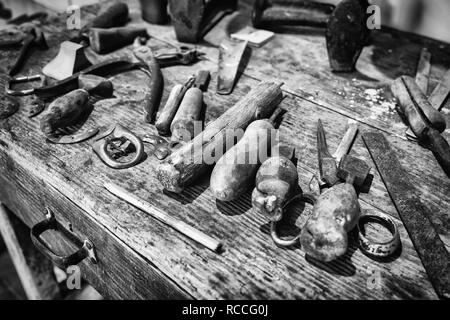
x=327, y=164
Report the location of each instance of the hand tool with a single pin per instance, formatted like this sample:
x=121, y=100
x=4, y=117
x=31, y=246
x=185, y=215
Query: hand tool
x=182, y=55
x=423, y=70
x=353, y=171
x=192, y=19
x=327, y=164
x=64, y=111
x=422, y=79
x=378, y=249
x=441, y=92
x=191, y=160
x=276, y=183
x=115, y=15
x=170, y=108
x=346, y=29
x=107, y=40
x=155, y=84
x=185, y=229
x=40, y=15
x=34, y=37
x=154, y=11
x=202, y=78
x=415, y=216
x=68, y=110
x=235, y=171
x=425, y=122
x=187, y=116
x=102, y=69
x=69, y=60
x=230, y=56
x=116, y=142
x=337, y=210
x=327, y=176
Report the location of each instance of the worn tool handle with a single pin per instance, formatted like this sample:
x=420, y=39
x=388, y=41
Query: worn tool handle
x=440, y=147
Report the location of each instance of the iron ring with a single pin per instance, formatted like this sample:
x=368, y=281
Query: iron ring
x=378, y=249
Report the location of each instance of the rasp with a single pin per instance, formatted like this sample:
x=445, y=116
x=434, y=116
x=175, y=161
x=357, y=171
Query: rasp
x=415, y=216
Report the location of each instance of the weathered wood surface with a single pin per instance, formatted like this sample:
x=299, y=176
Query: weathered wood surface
x=34, y=270
x=70, y=178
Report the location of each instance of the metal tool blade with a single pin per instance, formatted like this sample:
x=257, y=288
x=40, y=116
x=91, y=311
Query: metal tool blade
x=74, y=138
x=415, y=216
x=327, y=164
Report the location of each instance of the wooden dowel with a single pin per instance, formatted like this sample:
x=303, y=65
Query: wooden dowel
x=180, y=226
x=423, y=70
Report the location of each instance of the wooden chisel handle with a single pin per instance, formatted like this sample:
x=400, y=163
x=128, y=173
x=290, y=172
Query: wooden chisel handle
x=440, y=147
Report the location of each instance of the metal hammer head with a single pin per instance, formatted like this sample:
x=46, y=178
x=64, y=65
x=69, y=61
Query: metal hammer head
x=347, y=34
x=39, y=38
x=353, y=170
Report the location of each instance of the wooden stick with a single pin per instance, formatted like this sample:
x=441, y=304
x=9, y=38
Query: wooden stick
x=423, y=70
x=180, y=226
x=347, y=141
x=189, y=162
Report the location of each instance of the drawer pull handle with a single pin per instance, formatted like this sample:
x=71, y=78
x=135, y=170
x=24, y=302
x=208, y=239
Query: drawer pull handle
x=50, y=223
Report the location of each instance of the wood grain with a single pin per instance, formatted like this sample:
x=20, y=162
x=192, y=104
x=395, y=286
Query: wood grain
x=71, y=179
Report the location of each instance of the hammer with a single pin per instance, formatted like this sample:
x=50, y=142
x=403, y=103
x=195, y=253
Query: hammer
x=353, y=171
x=346, y=30
x=192, y=19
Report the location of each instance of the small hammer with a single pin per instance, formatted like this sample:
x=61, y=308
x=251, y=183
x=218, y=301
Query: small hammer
x=346, y=29
x=353, y=170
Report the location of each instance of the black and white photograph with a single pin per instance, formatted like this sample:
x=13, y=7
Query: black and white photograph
x=224, y=156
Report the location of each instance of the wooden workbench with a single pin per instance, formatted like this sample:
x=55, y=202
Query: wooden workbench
x=140, y=257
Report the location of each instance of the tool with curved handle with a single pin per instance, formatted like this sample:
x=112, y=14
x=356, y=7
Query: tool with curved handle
x=100, y=146
x=50, y=223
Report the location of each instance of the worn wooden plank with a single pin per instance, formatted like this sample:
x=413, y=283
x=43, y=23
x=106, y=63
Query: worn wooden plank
x=251, y=266
x=121, y=272
x=34, y=270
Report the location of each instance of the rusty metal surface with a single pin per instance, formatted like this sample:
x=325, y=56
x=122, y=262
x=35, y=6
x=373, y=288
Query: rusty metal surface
x=415, y=216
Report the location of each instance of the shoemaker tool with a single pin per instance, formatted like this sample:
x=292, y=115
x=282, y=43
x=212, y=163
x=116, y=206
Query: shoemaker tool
x=426, y=122
x=34, y=37
x=337, y=210
x=346, y=29
x=415, y=216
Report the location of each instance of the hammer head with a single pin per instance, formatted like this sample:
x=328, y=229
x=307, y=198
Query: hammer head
x=353, y=170
x=347, y=34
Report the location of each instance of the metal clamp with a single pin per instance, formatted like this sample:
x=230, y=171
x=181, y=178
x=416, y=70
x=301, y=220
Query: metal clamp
x=303, y=197
x=25, y=92
x=378, y=249
x=113, y=134
x=50, y=223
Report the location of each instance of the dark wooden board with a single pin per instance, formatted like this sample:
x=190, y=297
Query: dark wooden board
x=71, y=178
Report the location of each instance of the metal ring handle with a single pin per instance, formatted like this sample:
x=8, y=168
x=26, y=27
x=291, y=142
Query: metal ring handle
x=378, y=249
x=50, y=223
x=304, y=197
x=100, y=148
